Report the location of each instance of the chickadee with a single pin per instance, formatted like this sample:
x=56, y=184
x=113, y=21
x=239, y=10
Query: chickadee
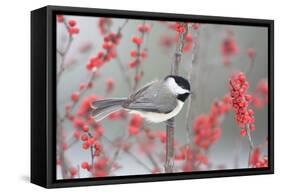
x=157, y=101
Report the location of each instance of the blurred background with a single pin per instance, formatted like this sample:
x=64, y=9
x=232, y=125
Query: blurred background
x=205, y=63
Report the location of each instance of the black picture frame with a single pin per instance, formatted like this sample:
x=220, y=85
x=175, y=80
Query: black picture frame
x=43, y=96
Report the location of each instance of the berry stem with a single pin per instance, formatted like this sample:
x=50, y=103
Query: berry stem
x=64, y=52
x=138, y=59
x=194, y=57
x=170, y=124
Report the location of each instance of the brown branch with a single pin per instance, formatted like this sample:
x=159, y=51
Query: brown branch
x=170, y=124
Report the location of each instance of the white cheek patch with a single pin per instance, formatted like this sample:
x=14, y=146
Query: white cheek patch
x=171, y=83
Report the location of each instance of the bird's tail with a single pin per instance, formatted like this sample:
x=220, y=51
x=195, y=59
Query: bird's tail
x=102, y=108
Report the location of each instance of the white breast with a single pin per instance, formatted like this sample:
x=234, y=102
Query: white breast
x=159, y=117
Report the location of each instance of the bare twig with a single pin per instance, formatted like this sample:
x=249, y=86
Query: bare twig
x=149, y=155
x=194, y=61
x=130, y=154
x=138, y=59
x=64, y=52
x=170, y=124
x=125, y=72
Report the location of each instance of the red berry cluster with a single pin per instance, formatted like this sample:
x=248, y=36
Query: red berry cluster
x=144, y=28
x=251, y=53
x=196, y=26
x=167, y=41
x=70, y=25
x=99, y=168
x=111, y=40
x=85, y=105
x=60, y=18
x=228, y=48
x=205, y=134
x=117, y=115
x=179, y=27
x=192, y=158
x=188, y=43
x=73, y=172
x=72, y=29
x=244, y=116
x=135, y=124
x=260, y=95
x=256, y=160
x=206, y=127
x=104, y=25
x=138, y=54
x=109, y=85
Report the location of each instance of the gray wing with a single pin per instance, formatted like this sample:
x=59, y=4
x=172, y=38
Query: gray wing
x=154, y=97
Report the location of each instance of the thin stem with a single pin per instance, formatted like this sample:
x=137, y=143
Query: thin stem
x=64, y=53
x=115, y=155
x=92, y=151
x=138, y=59
x=61, y=151
x=125, y=72
x=130, y=154
x=149, y=155
x=73, y=105
x=189, y=77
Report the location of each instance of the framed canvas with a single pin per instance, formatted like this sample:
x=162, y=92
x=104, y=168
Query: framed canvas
x=127, y=96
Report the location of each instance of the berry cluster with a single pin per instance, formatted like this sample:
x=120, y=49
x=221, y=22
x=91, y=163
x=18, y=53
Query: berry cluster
x=260, y=95
x=108, y=52
x=104, y=25
x=109, y=85
x=256, y=160
x=228, y=48
x=70, y=25
x=138, y=54
x=98, y=168
x=188, y=43
x=135, y=124
x=244, y=116
x=206, y=127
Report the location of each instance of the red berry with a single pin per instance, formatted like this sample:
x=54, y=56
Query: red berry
x=76, y=134
x=137, y=40
x=252, y=127
x=143, y=54
x=84, y=137
x=71, y=22
x=251, y=52
x=75, y=96
x=85, y=146
x=82, y=86
x=73, y=30
x=243, y=132
x=133, y=53
x=73, y=171
x=85, y=128
x=109, y=84
x=85, y=165
x=60, y=18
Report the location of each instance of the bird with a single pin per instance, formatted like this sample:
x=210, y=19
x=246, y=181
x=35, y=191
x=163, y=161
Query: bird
x=157, y=101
